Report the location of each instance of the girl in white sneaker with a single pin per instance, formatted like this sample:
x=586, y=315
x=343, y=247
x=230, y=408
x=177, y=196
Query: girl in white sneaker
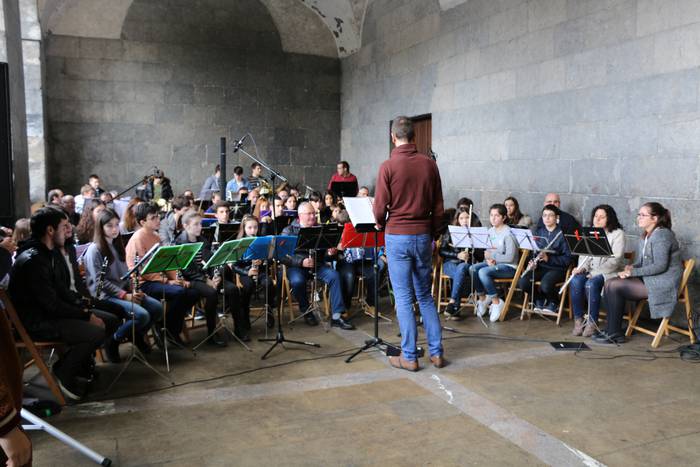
x=500, y=262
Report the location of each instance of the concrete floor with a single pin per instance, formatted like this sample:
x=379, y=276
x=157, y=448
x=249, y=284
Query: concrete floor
x=500, y=402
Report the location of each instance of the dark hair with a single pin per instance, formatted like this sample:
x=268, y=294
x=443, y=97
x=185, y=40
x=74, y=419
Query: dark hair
x=315, y=196
x=501, y=208
x=402, y=128
x=458, y=211
x=100, y=240
x=217, y=168
x=93, y=176
x=663, y=214
x=345, y=164
x=179, y=202
x=332, y=195
x=55, y=193
x=86, y=226
x=215, y=193
x=612, y=223
x=254, y=165
x=143, y=210
x=238, y=170
x=517, y=215
x=44, y=218
x=130, y=223
x=464, y=202
x=553, y=208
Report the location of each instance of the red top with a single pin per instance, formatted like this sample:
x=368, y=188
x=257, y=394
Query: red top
x=340, y=178
x=409, y=190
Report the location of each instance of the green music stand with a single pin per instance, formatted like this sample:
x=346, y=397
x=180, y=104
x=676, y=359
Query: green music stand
x=229, y=252
x=170, y=258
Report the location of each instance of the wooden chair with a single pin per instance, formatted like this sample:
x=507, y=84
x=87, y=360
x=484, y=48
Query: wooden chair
x=445, y=288
x=665, y=327
x=32, y=347
x=287, y=298
x=562, y=300
x=512, y=283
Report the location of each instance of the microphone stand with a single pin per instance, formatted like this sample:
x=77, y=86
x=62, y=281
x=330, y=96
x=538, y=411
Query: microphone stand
x=143, y=180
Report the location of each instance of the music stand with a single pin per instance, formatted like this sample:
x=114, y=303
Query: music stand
x=226, y=232
x=238, y=210
x=170, y=258
x=343, y=189
x=281, y=222
x=363, y=221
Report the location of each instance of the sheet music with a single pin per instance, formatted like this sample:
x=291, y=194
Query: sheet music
x=525, y=239
x=360, y=210
x=474, y=237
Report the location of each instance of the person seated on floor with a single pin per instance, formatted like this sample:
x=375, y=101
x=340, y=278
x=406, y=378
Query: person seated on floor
x=44, y=313
x=591, y=272
x=655, y=274
x=500, y=262
x=567, y=222
x=170, y=227
x=180, y=297
x=358, y=262
x=515, y=216
x=252, y=277
x=548, y=267
x=200, y=280
x=301, y=265
x=145, y=310
x=456, y=263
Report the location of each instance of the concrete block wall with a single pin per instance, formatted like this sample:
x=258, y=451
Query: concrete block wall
x=181, y=77
x=595, y=99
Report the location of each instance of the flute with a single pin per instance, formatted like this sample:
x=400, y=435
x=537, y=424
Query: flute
x=538, y=258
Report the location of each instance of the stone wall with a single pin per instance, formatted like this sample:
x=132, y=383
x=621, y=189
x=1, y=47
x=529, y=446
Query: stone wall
x=595, y=99
x=182, y=75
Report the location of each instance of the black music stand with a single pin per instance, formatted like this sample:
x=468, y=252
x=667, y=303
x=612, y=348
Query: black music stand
x=227, y=232
x=344, y=189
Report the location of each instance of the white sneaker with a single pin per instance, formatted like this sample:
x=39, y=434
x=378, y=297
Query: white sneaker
x=495, y=310
x=482, y=306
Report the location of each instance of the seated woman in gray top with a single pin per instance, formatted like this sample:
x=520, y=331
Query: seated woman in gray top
x=500, y=262
x=656, y=274
x=592, y=271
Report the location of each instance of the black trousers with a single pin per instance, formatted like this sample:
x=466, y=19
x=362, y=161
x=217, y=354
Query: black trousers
x=81, y=339
x=348, y=272
x=617, y=293
x=180, y=301
x=211, y=300
x=548, y=279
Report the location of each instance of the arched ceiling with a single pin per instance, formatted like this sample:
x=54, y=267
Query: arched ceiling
x=330, y=28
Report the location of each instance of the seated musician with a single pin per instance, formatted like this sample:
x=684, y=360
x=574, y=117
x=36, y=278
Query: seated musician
x=363, y=192
x=256, y=178
x=300, y=266
x=567, y=222
x=291, y=203
x=128, y=223
x=215, y=199
x=211, y=184
x=342, y=175
x=223, y=216
x=279, y=206
x=158, y=187
x=179, y=296
x=200, y=280
x=252, y=276
x=44, y=313
x=592, y=272
x=86, y=226
x=655, y=274
x=456, y=262
x=133, y=303
x=548, y=267
x=515, y=216
x=499, y=262
x=170, y=227
x=236, y=183
x=466, y=204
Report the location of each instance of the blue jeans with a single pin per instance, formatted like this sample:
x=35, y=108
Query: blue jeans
x=298, y=277
x=583, y=287
x=458, y=272
x=410, y=269
x=484, y=275
x=180, y=300
x=150, y=308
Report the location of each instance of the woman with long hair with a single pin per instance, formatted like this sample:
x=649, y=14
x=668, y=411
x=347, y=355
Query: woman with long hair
x=86, y=226
x=655, y=274
x=128, y=223
x=515, y=216
x=592, y=272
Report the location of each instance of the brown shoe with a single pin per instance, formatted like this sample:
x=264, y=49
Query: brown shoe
x=438, y=361
x=578, y=327
x=589, y=330
x=403, y=364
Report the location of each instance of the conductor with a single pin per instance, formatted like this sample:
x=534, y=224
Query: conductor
x=408, y=203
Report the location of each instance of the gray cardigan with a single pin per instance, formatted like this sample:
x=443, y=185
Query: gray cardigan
x=659, y=266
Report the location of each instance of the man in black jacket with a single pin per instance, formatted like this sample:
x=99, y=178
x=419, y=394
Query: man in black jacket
x=44, y=313
x=300, y=266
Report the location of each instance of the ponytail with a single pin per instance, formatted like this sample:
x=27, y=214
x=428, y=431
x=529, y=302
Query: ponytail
x=661, y=213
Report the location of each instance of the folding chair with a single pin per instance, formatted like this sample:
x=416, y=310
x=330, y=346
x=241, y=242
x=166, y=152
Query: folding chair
x=512, y=283
x=32, y=347
x=562, y=300
x=665, y=327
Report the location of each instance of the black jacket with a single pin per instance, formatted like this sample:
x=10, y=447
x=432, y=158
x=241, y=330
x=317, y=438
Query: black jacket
x=195, y=271
x=296, y=260
x=35, y=292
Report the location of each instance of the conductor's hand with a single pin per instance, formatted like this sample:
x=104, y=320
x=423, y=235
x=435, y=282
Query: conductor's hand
x=463, y=255
x=308, y=263
x=17, y=447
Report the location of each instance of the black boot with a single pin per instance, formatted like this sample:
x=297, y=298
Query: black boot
x=111, y=349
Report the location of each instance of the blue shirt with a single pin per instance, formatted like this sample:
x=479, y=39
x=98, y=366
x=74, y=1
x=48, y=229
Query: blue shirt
x=233, y=186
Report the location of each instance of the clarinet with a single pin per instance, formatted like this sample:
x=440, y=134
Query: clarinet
x=135, y=278
x=101, y=278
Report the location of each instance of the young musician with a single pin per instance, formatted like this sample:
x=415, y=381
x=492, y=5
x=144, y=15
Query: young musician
x=655, y=274
x=198, y=278
x=211, y=184
x=547, y=267
x=86, y=193
x=592, y=271
x=107, y=244
x=223, y=213
x=170, y=227
x=515, y=217
x=179, y=296
x=94, y=182
x=455, y=263
x=252, y=275
x=342, y=174
x=86, y=227
x=499, y=262
x=128, y=224
x=363, y=192
x=158, y=187
x=291, y=203
x=236, y=183
x=256, y=177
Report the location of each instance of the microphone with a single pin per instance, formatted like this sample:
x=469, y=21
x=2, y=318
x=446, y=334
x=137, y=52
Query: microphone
x=239, y=143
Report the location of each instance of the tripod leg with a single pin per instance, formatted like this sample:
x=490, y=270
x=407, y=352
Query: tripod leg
x=270, y=350
x=369, y=344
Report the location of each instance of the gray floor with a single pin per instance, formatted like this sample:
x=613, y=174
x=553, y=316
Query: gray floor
x=500, y=402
